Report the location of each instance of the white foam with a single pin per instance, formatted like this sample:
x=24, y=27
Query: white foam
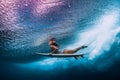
x=101, y=35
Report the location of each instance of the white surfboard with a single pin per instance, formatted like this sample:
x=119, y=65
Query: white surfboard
x=61, y=55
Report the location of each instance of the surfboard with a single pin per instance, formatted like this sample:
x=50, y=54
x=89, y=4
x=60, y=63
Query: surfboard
x=62, y=55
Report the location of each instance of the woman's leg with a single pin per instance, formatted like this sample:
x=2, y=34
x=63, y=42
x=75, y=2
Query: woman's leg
x=66, y=51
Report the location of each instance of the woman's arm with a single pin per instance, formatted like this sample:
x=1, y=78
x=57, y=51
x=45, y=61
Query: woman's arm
x=54, y=47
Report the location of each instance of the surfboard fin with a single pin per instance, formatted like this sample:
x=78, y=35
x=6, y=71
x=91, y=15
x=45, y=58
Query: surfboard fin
x=81, y=56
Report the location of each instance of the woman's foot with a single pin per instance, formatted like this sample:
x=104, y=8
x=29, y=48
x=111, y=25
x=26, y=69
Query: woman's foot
x=84, y=46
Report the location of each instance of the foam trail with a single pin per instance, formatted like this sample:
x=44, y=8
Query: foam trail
x=102, y=34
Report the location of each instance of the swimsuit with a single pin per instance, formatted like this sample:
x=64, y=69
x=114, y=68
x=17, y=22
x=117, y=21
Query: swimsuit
x=52, y=49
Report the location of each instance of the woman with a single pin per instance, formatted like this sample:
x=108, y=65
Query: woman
x=55, y=47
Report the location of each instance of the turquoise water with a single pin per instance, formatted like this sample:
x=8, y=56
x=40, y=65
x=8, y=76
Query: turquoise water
x=26, y=26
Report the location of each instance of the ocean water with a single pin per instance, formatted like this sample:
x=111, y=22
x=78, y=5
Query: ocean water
x=27, y=25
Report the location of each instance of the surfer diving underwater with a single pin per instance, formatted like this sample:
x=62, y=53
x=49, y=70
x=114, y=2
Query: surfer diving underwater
x=55, y=48
x=65, y=53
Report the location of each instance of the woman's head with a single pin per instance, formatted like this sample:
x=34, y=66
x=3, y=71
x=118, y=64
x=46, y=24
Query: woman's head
x=52, y=39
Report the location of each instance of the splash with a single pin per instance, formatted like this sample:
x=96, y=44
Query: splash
x=102, y=34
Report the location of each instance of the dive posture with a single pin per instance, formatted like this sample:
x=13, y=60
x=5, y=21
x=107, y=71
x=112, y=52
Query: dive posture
x=55, y=47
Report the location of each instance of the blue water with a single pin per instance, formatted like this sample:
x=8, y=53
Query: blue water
x=25, y=32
